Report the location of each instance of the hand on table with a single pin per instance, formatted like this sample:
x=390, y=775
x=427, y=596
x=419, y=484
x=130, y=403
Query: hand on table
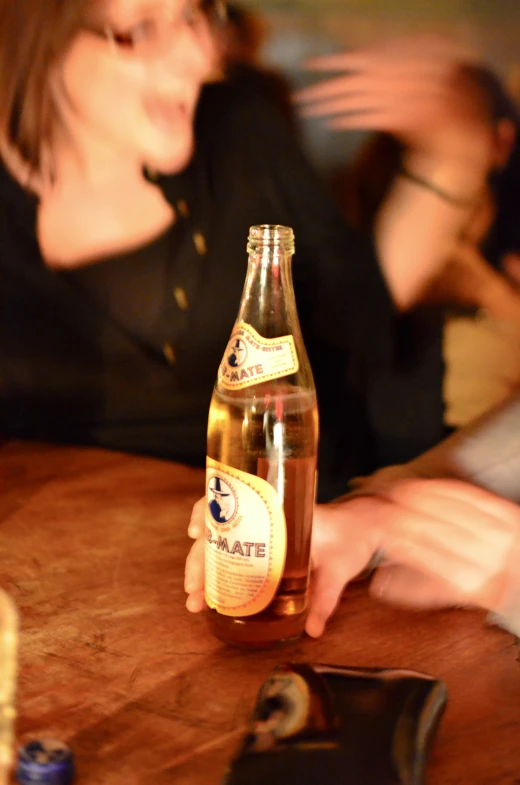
x=445, y=542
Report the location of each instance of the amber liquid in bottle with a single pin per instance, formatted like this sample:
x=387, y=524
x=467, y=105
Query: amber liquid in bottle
x=241, y=434
x=270, y=430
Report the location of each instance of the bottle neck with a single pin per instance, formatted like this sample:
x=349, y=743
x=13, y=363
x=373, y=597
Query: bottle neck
x=268, y=301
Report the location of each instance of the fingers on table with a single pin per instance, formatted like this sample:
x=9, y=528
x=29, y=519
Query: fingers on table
x=410, y=588
x=195, y=602
x=196, y=525
x=194, y=569
x=327, y=585
x=336, y=558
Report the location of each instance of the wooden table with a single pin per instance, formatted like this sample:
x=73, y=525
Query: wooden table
x=92, y=550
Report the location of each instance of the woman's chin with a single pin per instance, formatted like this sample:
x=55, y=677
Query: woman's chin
x=171, y=161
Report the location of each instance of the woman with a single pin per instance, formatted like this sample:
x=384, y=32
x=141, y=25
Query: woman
x=127, y=191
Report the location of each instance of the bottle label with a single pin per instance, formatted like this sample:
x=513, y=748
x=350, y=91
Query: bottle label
x=251, y=359
x=246, y=541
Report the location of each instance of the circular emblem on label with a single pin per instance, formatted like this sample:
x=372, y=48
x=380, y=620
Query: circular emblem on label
x=237, y=353
x=222, y=502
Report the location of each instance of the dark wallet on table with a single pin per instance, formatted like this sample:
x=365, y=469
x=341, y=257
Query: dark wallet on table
x=325, y=725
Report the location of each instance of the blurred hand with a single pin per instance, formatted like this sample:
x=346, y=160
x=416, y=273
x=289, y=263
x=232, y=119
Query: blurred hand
x=415, y=88
x=446, y=542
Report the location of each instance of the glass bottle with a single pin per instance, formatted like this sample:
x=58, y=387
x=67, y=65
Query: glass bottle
x=261, y=459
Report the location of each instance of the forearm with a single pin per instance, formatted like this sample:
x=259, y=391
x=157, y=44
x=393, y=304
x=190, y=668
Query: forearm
x=417, y=229
x=486, y=453
x=506, y=611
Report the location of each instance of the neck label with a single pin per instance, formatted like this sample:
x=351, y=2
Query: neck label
x=250, y=359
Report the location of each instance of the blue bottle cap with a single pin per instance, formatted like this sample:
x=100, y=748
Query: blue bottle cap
x=46, y=761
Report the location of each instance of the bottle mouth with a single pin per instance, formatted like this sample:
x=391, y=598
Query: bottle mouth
x=266, y=236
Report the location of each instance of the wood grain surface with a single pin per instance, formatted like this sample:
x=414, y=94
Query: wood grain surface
x=92, y=548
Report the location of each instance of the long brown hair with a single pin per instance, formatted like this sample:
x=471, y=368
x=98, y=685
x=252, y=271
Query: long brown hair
x=34, y=34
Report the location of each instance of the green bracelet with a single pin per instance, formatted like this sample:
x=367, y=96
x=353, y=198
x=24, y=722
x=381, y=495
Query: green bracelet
x=447, y=197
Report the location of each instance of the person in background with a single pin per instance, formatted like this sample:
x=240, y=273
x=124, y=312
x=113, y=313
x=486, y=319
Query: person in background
x=479, y=284
x=128, y=184
x=459, y=348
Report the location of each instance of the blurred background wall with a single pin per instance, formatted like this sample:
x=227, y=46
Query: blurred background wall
x=297, y=29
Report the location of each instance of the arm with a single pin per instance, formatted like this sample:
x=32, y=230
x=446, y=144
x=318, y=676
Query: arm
x=469, y=279
x=415, y=89
x=486, y=453
x=416, y=230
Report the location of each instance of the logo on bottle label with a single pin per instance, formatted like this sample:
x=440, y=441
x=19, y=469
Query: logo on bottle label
x=246, y=541
x=250, y=359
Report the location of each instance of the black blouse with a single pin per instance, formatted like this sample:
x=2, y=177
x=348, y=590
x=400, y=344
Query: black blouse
x=124, y=353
